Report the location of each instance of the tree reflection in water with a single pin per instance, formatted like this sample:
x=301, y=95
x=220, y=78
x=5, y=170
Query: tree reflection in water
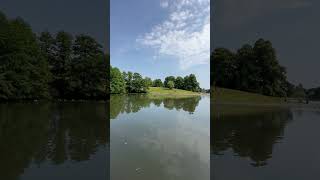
x=55, y=133
x=248, y=131
x=134, y=103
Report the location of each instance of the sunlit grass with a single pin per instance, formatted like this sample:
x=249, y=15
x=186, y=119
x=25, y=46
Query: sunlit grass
x=160, y=91
x=235, y=96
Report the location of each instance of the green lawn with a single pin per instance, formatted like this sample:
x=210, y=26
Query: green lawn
x=235, y=96
x=160, y=91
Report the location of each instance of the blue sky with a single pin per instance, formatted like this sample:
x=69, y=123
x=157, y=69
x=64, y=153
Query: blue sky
x=159, y=38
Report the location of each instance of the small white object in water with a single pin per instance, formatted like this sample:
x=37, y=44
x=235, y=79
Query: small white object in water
x=138, y=169
x=125, y=143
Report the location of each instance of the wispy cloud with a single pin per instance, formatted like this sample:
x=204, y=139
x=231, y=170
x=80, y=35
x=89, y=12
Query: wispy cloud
x=185, y=34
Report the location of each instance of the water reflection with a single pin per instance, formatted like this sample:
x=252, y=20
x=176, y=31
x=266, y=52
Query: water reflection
x=160, y=138
x=134, y=103
x=248, y=132
x=38, y=134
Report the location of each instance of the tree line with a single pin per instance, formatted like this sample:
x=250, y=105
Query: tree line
x=46, y=66
x=251, y=68
x=132, y=82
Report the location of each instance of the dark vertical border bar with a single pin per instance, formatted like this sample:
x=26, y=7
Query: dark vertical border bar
x=211, y=84
x=108, y=85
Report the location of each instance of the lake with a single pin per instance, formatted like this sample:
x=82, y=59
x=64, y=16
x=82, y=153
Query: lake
x=50, y=141
x=263, y=143
x=159, y=138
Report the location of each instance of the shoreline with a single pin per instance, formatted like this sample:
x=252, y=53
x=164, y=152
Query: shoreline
x=311, y=105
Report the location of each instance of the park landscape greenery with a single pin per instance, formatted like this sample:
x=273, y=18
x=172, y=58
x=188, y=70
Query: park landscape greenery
x=65, y=66
x=132, y=82
x=254, y=69
x=43, y=66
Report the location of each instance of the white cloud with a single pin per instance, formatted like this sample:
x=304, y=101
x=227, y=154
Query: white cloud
x=164, y=4
x=185, y=34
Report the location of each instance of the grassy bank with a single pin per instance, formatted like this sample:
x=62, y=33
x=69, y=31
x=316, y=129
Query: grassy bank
x=235, y=103
x=234, y=96
x=161, y=92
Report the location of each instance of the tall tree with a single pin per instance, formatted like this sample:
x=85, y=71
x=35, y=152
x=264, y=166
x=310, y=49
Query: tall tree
x=167, y=79
x=179, y=83
x=117, y=82
x=60, y=63
x=47, y=43
x=138, y=84
x=254, y=69
x=88, y=69
x=191, y=83
x=23, y=69
x=128, y=77
x=223, y=67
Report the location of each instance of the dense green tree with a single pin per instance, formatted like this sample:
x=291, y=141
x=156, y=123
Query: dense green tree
x=23, y=68
x=135, y=83
x=223, y=67
x=128, y=77
x=34, y=67
x=271, y=73
x=47, y=45
x=179, y=83
x=138, y=84
x=247, y=73
x=167, y=79
x=87, y=69
x=191, y=83
x=157, y=83
x=60, y=64
x=117, y=82
x=254, y=69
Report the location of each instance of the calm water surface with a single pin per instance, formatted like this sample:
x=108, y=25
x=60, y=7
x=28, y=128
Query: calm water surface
x=160, y=139
x=50, y=141
x=255, y=143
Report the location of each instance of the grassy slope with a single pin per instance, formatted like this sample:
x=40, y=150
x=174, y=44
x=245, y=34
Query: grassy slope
x=234, y=102
x=159, y=91
x=235, y=96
